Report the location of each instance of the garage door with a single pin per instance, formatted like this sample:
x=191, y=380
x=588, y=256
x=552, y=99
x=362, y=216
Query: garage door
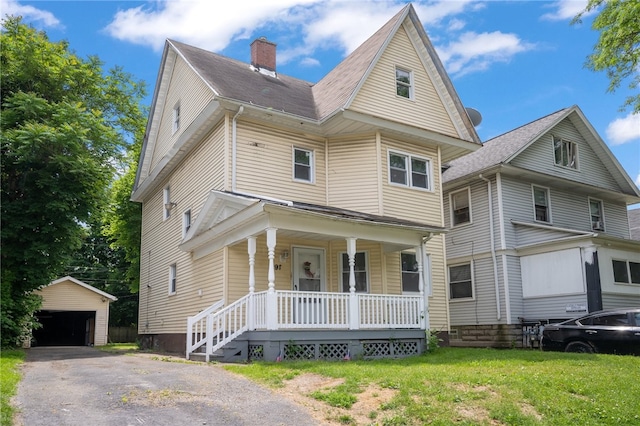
x=65, y=328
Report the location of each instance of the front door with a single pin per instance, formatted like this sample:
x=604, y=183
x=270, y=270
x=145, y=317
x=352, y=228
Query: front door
x=308, y=276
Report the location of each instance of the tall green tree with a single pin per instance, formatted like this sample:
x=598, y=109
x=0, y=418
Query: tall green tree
x=65, y=124
x=618, y=48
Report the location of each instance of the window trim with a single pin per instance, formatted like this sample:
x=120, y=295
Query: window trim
x=166, y=201
x=312, y=169
x=575, y=155
x=409, y=170
x=367, y=270
x=547, y=192
x=175, y=118
x=173, y=279
x=602, y=221
x=473, y=291
x=409, y=85
x=628, y=272
x=452, y=210
x=186, y=222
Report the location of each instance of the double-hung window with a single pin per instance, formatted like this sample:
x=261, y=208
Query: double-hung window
x=166, y=203
x=410, y=171
x=186, y=222
x=626, y=272
x=565, y=152
x=176, y=118
x=404, y=83
x=541, y=204
x=460, y=207
x=597, y=216
x=360, y=270
x=302, y=165
x=410, y=273
x=460, y=282
x=172, y=279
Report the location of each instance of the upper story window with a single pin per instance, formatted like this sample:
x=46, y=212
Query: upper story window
x=460, y=202
x=460, y=282
x=176, y=118
x=541, y=204
x=409, y=171
x=410, y=273
x=172, y=278
x=626, y=272
x=303, y=164
x=597, y=214
x=360, y=270
x=566, y=153
x=186, y=222
x=166, y=203
x=404, y=83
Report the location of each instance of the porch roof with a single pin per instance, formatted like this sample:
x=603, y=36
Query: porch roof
x=227, y=218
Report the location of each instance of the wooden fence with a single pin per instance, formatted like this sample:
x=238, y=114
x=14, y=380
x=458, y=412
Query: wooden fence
x=123, y=334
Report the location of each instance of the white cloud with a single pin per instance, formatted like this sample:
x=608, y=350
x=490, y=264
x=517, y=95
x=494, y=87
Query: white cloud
x=623, y=130
x=477, y=51
x=12, y=7
x=566, y=10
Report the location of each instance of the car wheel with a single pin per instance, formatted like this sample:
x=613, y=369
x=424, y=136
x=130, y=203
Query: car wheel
x=581, y=347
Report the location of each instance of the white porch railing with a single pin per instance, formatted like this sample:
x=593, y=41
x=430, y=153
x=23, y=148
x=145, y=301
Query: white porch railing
x=289, y=310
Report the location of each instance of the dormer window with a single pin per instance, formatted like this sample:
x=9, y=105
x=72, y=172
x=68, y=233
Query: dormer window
x=566, y=153
x=176, y=118
x=597, y=216
x=404, y=83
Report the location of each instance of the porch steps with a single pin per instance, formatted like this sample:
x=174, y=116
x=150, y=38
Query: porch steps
x=235, y=351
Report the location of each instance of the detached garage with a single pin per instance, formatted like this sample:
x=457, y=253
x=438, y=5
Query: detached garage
x=73, y=313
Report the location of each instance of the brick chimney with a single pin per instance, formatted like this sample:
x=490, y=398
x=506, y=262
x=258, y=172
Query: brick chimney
x=263, y=54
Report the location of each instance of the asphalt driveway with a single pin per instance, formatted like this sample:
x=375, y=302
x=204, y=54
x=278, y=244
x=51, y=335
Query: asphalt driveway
x=85, y=386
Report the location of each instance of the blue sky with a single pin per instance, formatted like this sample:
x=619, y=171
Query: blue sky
x=514, y=61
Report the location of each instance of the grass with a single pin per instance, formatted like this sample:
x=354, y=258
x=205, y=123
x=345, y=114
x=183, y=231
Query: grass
x=10, y=360
x=120, y=347
x=478, y=386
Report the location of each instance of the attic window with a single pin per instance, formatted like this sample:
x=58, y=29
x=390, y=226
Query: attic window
x=566, y=153
x=404, y=83
x=176, y=118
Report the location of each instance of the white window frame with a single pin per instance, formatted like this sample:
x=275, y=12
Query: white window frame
x=628, y=272
x=547, y=197
x=594, y=225
x=166, y=203
x=310, y=165
x=408, y=170
x=471, y=274
x=175, y=118
x=570, y=151
x=173, y=278
x=186, y=222
x=453, y=209
x=342, y=265
x=403, y=84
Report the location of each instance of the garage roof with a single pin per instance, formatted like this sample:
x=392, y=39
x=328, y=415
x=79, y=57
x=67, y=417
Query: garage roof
x=85, y=285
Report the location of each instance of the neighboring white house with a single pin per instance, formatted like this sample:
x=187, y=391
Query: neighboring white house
x=539, y=231
x=73, y=313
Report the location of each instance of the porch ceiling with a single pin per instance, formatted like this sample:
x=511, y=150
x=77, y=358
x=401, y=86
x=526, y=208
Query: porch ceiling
x=227, y=219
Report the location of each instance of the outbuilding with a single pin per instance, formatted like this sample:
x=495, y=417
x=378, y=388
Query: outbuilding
x=73, y=313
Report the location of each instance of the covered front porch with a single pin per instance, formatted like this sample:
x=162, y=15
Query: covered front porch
x=344, y=294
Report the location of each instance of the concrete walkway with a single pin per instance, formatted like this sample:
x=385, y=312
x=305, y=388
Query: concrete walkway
x=85, y=386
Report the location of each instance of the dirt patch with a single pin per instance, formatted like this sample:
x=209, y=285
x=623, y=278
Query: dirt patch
x=366, y=410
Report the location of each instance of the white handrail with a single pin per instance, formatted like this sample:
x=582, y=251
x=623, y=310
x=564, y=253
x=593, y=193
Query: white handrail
x=197, y=327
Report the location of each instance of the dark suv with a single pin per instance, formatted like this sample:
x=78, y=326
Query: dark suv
x=614, y=331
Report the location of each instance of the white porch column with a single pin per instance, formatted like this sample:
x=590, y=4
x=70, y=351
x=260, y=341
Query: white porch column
x=354, y=310
x=272, y=301
x=251, y=314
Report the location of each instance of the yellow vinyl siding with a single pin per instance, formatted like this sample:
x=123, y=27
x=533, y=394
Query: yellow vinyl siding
x=193, y=95
x=378, y=97
x=353, y=175
x=265, y=163
x=407, y=202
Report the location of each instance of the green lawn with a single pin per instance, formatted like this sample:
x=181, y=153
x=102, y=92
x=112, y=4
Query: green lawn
x=9, y=378
x=472, y=386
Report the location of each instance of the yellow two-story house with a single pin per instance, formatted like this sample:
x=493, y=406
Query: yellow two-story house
x=288, y=219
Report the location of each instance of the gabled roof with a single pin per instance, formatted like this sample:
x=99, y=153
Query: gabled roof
x=503, y=149
x=81, y=284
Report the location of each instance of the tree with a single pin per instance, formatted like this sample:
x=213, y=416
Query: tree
x=64, y=125
x=618, y=48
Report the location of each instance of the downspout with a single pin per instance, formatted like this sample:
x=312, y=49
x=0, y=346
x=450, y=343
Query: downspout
x=234, y=149
x=493, y=247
